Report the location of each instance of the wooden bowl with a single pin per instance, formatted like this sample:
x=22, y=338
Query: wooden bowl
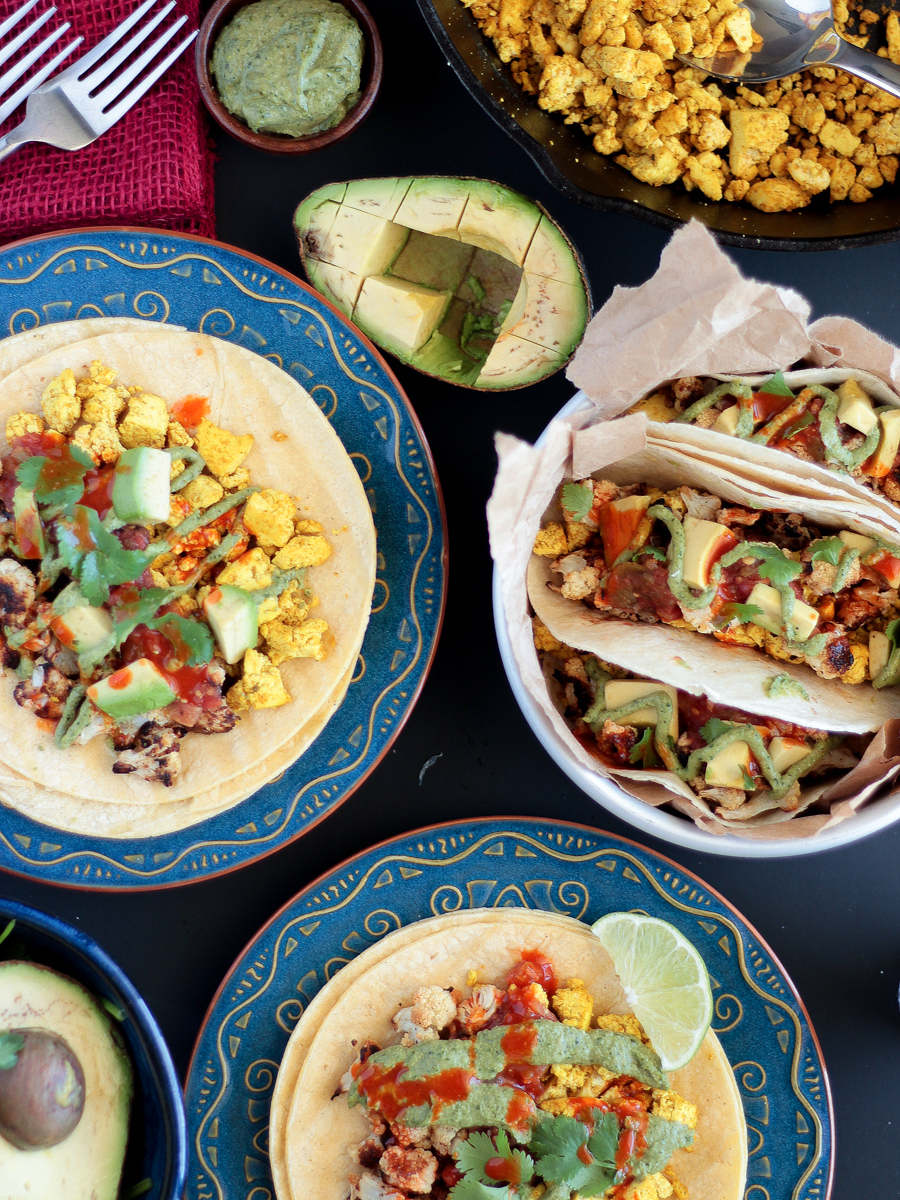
x=278, y=143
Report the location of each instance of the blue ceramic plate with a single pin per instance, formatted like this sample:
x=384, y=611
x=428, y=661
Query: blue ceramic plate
x=564, y=868
x=218, y=290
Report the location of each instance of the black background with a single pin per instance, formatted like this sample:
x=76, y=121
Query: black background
x=833, y=919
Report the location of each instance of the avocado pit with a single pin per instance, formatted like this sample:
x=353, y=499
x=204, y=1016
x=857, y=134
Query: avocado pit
x=42, y=1092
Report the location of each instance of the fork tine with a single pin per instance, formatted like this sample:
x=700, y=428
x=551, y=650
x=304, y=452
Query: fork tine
x=121, y=82
x=102, y=72
x=17, y=16
x=16, y=72
x=13, y=102
x=133, y=96
x=11, y=47
x=77, y=69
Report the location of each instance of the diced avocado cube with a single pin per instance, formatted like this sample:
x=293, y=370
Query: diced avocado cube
x=141, y=488
x=499, y=219
x=730, y=768
x=398, y=315
x=233, y=617
x=83, y=627
x=379, y=196
x=337, y=284
x=139, y=687
x=434, y=205
x=362, y=242
x=29, y=531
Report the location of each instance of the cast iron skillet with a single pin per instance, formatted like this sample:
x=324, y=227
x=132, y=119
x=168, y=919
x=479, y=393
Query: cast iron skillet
x=566, y=157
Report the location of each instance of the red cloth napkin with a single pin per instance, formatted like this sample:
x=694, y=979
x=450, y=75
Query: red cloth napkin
x=153, y=167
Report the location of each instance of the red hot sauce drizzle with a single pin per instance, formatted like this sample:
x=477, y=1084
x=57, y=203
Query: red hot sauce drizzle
x=391, y=1096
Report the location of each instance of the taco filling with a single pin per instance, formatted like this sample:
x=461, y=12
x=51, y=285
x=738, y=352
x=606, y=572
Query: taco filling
x=770, y=580
x=147, y=588
x=739, y=764
x=841, y=428
x=490, y=1093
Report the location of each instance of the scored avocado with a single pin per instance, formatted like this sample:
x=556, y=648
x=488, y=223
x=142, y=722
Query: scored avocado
x=233, y=618
x=137, y=688
x=141, y=487
x=67, y=1026
x=463, y=279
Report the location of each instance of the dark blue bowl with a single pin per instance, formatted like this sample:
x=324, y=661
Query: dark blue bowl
x=157, y=1139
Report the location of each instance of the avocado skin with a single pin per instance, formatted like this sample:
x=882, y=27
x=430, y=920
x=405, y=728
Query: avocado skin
x=87, y=1165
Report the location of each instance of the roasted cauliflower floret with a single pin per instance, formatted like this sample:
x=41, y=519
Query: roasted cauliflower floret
x=203, y=492
x=269, y=515
x=579, y=585
x=672, y=1107
x=432, y=1010
x=295, y=641
x=61, y=406
x=551, y=541
x=100, y=441
x=262, y=685
x=304, y=550
x=145, y=423
x=222, y=451
x=24, y=422
x=573, y=1004
x=251, y=571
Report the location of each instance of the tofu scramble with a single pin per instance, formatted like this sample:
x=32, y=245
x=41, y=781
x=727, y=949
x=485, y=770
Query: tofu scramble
x=147, y=588
x=520, y=1084
x=609, y=67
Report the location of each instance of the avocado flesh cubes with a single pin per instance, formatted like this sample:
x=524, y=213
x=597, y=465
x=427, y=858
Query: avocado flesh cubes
x=137, y=688
x=437, y=232
x=29, y=531
x=141, y=487
x=234, y=620
x=83, y=627
x=86, y=1165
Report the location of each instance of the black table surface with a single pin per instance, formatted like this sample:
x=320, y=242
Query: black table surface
x=833, y=919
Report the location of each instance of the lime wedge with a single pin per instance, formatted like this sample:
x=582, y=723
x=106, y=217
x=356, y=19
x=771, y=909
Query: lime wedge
x=665, y=982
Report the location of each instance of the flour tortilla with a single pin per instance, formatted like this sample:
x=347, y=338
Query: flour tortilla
x=21, y=348
x=321, y=1134
x=811, y=481
x=246, y=393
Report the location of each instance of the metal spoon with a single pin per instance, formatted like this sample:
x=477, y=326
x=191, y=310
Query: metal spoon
x=795, y=38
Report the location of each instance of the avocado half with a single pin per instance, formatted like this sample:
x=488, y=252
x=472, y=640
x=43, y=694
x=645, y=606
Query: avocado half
x=87, y=1165
x=463, y=279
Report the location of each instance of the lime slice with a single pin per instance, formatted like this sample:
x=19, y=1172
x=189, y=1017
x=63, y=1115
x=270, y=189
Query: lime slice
x=665, y=982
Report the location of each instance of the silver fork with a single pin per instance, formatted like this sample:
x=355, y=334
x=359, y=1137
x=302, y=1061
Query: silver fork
x=16, y=72
x=70, y=112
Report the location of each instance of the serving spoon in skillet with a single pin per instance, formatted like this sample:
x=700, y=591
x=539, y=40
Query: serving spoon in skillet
x=797, y=34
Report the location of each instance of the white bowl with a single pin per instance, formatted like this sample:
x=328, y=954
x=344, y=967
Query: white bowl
x=670, y=827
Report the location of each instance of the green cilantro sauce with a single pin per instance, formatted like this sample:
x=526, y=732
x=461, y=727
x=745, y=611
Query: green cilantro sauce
x=289, y=66
x=785, y=685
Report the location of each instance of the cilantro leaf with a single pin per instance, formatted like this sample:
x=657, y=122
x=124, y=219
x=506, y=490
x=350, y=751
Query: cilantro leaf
x=778, y=567
x=797, y=426
x=714, y=728
x=745, y=613
x=10, y=1045
x=473, y=1189
x=191, y=638
x=8, y=930
x=653, y=551
x=32, y=475
x=126, y=618
x=478, y=1149
x=828, y=550
x=578, y=500
x=644, y=751
x=558, y=1142
x=774, y=386
x=96, y=557
x=749, y=784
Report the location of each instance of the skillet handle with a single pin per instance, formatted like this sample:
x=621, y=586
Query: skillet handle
x=832, y=51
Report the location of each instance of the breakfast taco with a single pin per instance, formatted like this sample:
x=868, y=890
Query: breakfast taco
x=187, y=550
x=494, y=1055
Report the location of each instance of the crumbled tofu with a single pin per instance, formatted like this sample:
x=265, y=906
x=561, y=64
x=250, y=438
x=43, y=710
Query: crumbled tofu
x=100, y=441
x=304, y=526
x=237, y=698
x=544, y=640
x=270, y=516
x=305, y=550
x=24, y=422
x=61, y=406
x=203, y=492
x=672, y=1107
x=222, y=451
x=573, y=1004
x=777, y=195
x=236, y=480
x=621, y=1023
x=101, y=402
x=263, y=686
x=565, y=1081
x=177, y=435
x=858, y=673
x=551, y=541
x=253, y=570
x=285, y=641
x=145, y=423
x=755, y=134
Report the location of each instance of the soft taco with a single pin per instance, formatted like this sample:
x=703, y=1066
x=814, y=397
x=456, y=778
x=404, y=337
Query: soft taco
x=835, y=429
x=540, y=1050
x=186, y=616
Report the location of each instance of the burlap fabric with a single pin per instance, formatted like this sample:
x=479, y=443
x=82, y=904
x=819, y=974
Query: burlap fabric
x=154, y=167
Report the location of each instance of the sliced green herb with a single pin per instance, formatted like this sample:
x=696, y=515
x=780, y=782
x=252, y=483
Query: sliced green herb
x=8, y=930
x=112, y=1009
x=138, y=1189
x=33, y=476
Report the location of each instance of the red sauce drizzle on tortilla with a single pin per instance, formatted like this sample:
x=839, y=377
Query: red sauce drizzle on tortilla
x=190, y=410
x=533, y=967
x=391, y=1096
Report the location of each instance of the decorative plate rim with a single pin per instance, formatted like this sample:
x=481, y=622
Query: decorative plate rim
x=378, y=356
x=591, y=831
